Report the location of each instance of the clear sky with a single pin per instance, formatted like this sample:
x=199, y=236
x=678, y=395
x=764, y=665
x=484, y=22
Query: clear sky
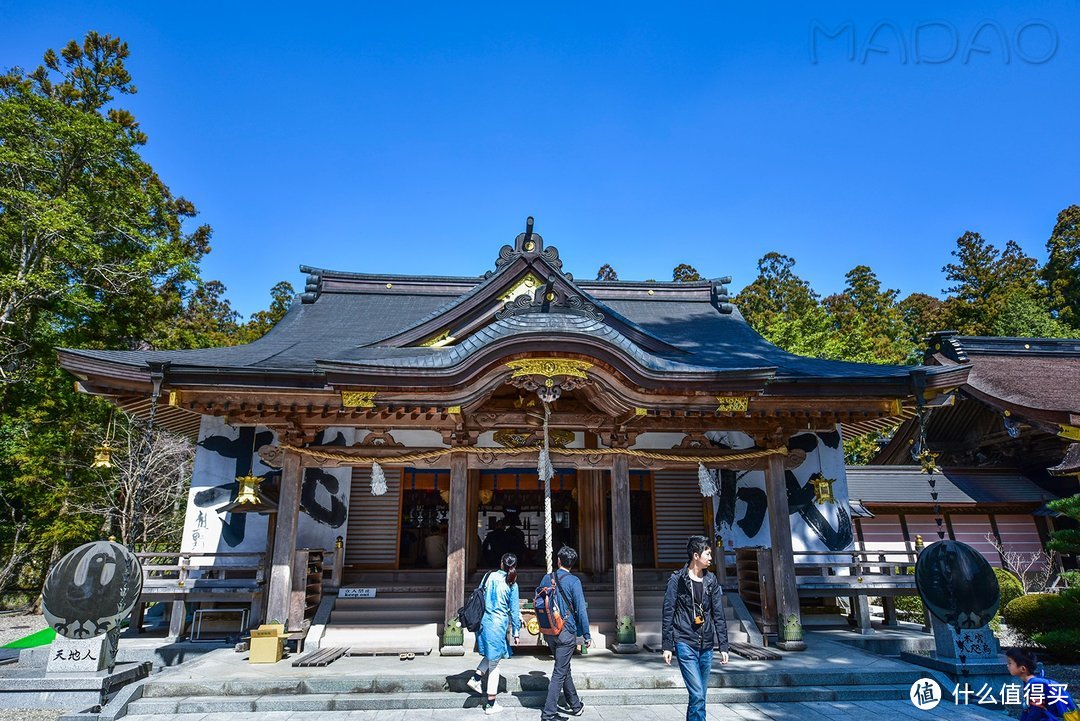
x=416, y=137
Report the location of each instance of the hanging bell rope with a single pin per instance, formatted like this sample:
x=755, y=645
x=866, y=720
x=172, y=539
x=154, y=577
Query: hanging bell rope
x=546, y=472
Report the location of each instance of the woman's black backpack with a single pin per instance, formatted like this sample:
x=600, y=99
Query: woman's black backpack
x=472, y=612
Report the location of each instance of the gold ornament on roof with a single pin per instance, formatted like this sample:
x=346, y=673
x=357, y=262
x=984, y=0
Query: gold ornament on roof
x=732, y=404
x=358, y=399
x=439, y=341
x=526, y=286
x=549, y=367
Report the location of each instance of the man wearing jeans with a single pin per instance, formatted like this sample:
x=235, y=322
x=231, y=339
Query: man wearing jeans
x=694, y=623
x=571, y=602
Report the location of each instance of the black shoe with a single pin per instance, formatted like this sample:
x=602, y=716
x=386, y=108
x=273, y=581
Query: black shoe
x=571, y=712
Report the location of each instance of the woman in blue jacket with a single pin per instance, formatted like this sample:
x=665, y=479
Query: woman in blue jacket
x=502, y=611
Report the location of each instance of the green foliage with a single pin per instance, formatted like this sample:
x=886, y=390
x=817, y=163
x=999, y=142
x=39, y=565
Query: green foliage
x=1062, y=270
x=1066, y=540
x=1071, y=578
x=867, y=321
x=1062, y=643
x=1010, y=586
x=986, y=281
x=1026, y=615
x=96, y=251
x=860, y=450
x=684, y=273
x=909, y=608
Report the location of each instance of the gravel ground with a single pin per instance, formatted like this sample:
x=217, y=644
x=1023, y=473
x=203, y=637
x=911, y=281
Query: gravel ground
x=32, y=714
x=16, y=625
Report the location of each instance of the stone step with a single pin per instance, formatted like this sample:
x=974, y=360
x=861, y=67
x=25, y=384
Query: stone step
x=531, y=699
x=343, y=683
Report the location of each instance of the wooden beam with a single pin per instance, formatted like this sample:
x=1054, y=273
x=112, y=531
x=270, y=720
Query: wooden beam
x=783, y=560
x=622, y=548
x=277, y=607
x=455, y=546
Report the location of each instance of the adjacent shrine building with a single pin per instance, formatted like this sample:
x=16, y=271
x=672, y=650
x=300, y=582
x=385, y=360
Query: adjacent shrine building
x=403, y=414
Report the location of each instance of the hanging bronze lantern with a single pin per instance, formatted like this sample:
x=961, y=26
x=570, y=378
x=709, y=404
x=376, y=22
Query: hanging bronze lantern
x=103, y=456
x=823, y=492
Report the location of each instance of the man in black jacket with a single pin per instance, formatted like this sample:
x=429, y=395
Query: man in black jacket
x=572, y=606
x=694, y=623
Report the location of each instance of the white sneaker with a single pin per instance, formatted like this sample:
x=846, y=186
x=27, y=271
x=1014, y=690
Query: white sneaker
x=493, y=708
x=475, y=684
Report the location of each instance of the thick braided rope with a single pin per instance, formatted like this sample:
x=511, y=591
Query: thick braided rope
x=547, y=492
x=439, y=452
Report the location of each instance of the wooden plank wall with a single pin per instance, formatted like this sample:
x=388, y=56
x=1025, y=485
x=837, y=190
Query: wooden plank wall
x=374, y=521
x=679, y=514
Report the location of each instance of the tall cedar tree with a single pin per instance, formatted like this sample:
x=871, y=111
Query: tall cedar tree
x=1062, y=270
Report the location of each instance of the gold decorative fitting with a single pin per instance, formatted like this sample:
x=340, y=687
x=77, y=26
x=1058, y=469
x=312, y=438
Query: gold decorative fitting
x=1070, y=432
x=454, y=410
x=511, y=438
x=1007, y=412
x=549, y=296
x=526, y=286
x=1027, y=346
x=486, y=495
x=389, y=285
x=651, y=291
x=103, y=456
x=358, y=399
x=641, y=411
x=174, y=398
x=439, y=341
x=732, y=404
x=529, y=246
x=445, y=496
x=823, y=492
x=549, y=367
x=928, y=460
x=249, y=490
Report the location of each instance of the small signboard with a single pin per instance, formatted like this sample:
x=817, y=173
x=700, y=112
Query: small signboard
x=356, y=593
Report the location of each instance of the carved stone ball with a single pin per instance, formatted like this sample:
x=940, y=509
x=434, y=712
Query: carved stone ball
x=957, y=584
x=92, y=590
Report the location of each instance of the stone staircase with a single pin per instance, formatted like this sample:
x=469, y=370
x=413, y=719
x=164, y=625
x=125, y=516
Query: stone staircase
x=407, y=611
x=342, y=691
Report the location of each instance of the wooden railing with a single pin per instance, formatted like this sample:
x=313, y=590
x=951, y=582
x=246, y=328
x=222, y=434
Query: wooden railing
x=189, y=570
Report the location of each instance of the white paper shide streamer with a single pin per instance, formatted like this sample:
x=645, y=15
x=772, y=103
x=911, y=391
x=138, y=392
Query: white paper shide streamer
x=378, y=480
x=706, y=480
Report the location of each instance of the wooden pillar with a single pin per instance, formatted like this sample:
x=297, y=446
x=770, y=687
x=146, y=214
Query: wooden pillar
x=621, y=545
x=455, y=545
x=280, y=591
x=783, y=560
x=472, y=535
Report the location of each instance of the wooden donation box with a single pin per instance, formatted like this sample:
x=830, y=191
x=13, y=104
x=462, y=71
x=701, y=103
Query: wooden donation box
x=267, y=643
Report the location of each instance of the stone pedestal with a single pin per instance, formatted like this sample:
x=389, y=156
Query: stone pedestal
x=70, y=656
x=967, y=657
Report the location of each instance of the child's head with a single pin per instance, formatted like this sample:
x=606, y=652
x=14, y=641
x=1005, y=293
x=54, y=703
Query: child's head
x=1020, y=663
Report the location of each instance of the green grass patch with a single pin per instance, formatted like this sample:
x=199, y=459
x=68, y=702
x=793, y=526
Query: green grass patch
x=42, y=638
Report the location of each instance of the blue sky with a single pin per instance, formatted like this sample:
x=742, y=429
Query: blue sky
x=416, y=137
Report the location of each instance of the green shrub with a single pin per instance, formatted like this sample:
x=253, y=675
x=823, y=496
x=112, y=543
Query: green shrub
x=1029, y=615
x=1062, y=643
x=1010, y=586
x=1071, y=578
x=909, y=608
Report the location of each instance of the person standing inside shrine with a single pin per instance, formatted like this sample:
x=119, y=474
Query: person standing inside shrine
x=502, y=612
x=694, y=623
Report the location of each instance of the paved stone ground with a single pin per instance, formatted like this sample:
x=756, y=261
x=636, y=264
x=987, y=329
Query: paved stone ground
x=810, y=711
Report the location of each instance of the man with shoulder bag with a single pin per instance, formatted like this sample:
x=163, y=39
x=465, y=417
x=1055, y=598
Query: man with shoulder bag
x=694, y=623
x=560, y=604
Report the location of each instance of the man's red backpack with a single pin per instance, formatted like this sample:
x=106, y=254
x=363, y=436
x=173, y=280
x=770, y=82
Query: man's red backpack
x=546, y=604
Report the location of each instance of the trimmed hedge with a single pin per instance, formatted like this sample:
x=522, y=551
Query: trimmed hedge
x=1032, y=614
x=1010, y=585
